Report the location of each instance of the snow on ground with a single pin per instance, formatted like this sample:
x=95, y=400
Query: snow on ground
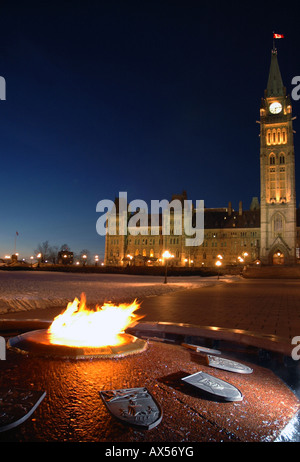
x=26, y=290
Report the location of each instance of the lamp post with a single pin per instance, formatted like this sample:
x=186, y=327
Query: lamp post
x=218, y=264
x=166, y=255
x=39, y=257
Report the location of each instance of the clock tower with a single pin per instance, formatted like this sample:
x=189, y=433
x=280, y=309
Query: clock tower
x=277, y=172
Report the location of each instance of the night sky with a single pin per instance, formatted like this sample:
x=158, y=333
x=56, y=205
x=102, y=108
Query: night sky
x=148, y=97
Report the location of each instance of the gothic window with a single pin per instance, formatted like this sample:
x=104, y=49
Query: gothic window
x=272, y=181
x=282, y=159
x=269, y=137
x=274, y=136
x=282, y=192
x=278, y=136
x=284, y=136
x=278, y=225
x=272, y=159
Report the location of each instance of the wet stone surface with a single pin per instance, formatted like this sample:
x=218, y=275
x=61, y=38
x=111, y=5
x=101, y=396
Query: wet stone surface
x=73, y=411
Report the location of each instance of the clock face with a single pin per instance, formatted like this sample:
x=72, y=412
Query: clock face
x=275, y=108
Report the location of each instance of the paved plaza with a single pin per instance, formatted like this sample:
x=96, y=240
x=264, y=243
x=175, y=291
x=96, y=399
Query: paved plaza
x=263, y=306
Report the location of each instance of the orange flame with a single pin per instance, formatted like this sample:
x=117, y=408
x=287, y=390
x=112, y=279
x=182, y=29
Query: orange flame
x=81, y=326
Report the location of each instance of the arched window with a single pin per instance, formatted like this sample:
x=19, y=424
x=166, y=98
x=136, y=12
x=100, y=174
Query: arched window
x=284, y=136
x=269, y=137
x=278, y=136
x=278, y=225
x=282, y=159
x=272, y=159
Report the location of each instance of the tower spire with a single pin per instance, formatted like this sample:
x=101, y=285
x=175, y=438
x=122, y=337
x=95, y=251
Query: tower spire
x=275, y=85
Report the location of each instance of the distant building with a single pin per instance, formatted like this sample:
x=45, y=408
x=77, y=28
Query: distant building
x=267, y=233
x=65, y=257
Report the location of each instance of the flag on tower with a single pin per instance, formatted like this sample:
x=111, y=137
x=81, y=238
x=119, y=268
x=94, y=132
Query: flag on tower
x=17, y=233
x=278, y=36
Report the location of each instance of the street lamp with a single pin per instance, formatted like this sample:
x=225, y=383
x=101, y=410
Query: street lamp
x=218, y=264
x=39, y=257
x=245, y=255
x=166, y=255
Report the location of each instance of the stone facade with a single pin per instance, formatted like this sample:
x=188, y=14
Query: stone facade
x=267, y=233
x=277, y=166
x=232, y=236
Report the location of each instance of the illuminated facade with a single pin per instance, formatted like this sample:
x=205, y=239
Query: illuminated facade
x=266, y=233
x=277, y=166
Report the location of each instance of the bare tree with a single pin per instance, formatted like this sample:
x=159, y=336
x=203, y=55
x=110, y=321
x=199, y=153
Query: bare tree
x=45, y=250
x=64, y=247
x=85, y=257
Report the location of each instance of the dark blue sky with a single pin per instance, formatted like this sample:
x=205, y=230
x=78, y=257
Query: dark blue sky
x=148, y=97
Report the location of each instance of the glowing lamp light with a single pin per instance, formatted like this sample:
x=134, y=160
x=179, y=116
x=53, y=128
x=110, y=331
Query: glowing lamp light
x=218, y=265
x=167, y=255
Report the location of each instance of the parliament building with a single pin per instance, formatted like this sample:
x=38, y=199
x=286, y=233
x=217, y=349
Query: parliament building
x=268, y=233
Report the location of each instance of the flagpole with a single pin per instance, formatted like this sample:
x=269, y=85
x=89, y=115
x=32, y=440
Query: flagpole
x=15, y=249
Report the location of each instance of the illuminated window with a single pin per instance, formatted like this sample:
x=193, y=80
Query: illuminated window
x=282, y=191
x=284, y=136
x=278, y=136
x=282, y=159
x=272, y=184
